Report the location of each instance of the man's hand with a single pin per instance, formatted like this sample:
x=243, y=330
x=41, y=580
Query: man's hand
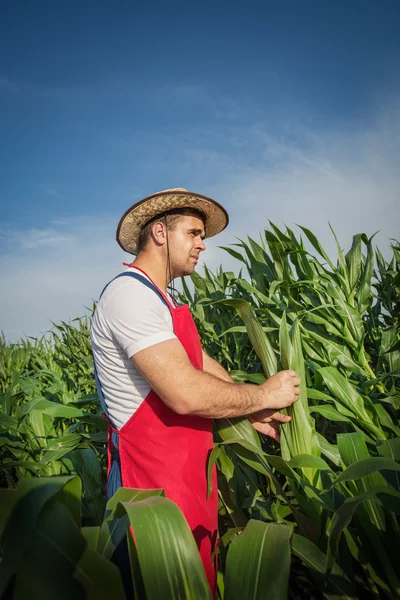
x=282, y=389
x=268, y=421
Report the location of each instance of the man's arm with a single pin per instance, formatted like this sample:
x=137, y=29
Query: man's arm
x=212, y=367
x=265, y=421
x=186, y=390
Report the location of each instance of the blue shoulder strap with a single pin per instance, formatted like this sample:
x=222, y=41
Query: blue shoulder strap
x=143, y=280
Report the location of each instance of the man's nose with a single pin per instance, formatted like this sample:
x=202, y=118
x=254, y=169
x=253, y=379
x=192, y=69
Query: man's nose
x=201, y=245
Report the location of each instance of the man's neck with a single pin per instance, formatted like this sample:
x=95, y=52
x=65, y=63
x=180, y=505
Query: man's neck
x=155, y=267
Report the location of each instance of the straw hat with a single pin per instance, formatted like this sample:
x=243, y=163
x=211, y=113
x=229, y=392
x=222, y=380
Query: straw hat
x=136, y=217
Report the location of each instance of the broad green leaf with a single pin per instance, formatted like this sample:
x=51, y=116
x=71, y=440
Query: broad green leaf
x=347, y=395
x=52, y=409
x=329, y=450
x=113, y=529
x=257, y=337
x=391, y=449
x=212, y=459
x=329, y=412
x=353, y=261
x=258, y=562
x=8, y=423
x=237, y=428
x=353, y=449
x=338, y=353
x=341, y=519
x=365, y=467
x=349, y=315
x=91, y=535
x=364, y=292
x=88, y=468
x=34, y=494
x=337, y=586
x=308, y=461
x=314, y=241
x=58, y=563
x=299, y=435
x=169, y=560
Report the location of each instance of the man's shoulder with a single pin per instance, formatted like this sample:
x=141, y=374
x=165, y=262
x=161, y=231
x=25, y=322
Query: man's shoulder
x=131, y=289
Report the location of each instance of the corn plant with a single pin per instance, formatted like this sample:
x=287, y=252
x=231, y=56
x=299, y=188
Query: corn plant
x=336, y=474
x=49, y=421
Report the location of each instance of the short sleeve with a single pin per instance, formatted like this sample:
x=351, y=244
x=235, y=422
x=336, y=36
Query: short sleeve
x=137, y=318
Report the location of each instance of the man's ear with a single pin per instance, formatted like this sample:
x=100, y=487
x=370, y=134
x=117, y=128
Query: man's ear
x=159, y=233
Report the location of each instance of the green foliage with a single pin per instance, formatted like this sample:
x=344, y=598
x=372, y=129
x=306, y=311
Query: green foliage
x=49, y=413
x=317, y=516
x=337, y=325
x=46, y=554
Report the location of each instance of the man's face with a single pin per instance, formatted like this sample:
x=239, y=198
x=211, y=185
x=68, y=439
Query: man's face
x=185, y=243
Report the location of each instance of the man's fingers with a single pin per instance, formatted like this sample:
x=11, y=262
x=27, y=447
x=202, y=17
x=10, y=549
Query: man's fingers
x=297, y=391
x=292, y=373
x=296, y=381
x=280, y=418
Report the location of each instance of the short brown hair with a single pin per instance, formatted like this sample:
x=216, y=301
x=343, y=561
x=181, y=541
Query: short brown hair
x=172, y=217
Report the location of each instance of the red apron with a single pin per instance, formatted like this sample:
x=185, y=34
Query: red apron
x=160, y=449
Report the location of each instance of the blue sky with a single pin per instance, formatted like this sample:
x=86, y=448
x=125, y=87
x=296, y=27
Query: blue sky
x=284, y=110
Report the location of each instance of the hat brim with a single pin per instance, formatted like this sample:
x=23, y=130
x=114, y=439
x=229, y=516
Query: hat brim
x=136, y=217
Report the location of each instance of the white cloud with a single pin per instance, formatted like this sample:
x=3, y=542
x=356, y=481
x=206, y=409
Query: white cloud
x=279, y=171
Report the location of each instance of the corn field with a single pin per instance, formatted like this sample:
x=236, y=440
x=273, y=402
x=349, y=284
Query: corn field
x=314, y=517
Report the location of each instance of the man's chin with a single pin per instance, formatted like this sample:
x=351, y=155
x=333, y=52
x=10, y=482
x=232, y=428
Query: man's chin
x=188, y=270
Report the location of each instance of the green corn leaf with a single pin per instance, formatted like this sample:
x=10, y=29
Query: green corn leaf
x=391, y=449
x=350, y=315
x=50, y=408
x=58, y=563
x=329, y=412
x=364, y=292
x=238, y=428
x=309, y=462
x=91, y=535
x=347, y=395
x=353, y=449
x=257, y=337
x=337, y=353
x=337, y=586
x=353, y=261
x=258, y=562
x=365, y=467
x=88, y=468
x=169, y=561
x=33, y=496
x=384, y=497
x=329, y=450
x=315, y=243
x=233, y=253
x=299, y=435
x=113, y=529
x=212, y=459
x=8, y=423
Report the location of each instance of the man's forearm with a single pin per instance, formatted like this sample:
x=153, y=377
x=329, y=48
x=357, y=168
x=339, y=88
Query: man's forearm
x=220, y=398
x=212, y=367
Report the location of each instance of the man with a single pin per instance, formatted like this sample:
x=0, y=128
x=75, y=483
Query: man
x=160, y=391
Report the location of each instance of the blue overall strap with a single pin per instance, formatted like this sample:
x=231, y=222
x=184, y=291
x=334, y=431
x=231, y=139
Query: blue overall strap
x=114, y=479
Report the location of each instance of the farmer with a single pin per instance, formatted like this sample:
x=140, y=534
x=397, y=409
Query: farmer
x=159, y=390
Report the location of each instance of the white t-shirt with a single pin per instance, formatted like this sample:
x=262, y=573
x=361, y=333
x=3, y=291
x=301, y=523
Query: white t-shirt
x=129, y=317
